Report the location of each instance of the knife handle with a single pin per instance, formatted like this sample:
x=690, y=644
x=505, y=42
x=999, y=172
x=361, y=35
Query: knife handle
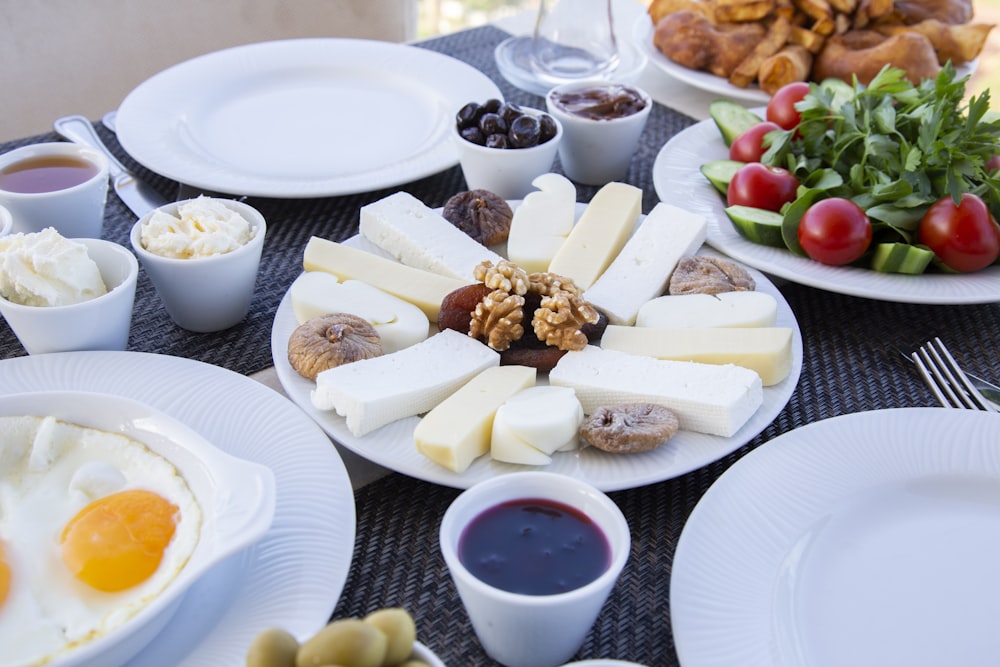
x=79, y=129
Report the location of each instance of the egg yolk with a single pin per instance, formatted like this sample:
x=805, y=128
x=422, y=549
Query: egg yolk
x=4, y=575
x=118, y=541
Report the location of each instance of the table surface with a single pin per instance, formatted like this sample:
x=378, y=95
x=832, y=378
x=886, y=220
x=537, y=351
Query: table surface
x=851, y=364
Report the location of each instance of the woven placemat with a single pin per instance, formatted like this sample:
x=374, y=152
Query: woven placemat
x=245, y=348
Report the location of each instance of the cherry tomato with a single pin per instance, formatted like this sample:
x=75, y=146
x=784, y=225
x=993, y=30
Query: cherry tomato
x=993, y=164
x=761, y=186
x=964, y=237
x=835, y=231
x=749, y=146
x=781, y=107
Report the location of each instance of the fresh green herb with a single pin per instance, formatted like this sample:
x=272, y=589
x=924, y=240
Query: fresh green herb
x=892, y=147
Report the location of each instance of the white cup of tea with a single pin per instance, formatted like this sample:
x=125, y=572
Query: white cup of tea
x=57, y=184
x=528, y=610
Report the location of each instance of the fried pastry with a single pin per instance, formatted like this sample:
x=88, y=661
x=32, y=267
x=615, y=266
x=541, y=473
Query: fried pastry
x=690, y=39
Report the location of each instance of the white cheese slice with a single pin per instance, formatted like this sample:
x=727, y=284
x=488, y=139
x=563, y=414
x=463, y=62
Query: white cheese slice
x=373, y=392
x=399, y=323
x=764, y=350
x=417, y=236
x=599, y=235
x=642, y=269
x=706, y=398
x=506, y=446
x=423, y=289
x=726, y=309
x=542, y=222
x=457, y=431
x=546, y=417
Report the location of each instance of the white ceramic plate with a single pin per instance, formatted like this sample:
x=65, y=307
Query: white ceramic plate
x=642, y=34
x=678, y=180
x=302, y=117
x=392, y=445
x=869, y=539
x=291, y=578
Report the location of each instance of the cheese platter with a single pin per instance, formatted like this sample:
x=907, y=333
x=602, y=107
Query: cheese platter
x=392, y=443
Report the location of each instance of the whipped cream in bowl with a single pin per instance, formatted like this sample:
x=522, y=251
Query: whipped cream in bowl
x=201, y=227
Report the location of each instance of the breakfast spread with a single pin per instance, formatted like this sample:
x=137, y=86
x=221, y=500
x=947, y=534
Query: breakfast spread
x=383, y=638
x=93, y=526
x=605, y=102
x=202, y=227
x=45, y=269
x=502, y=326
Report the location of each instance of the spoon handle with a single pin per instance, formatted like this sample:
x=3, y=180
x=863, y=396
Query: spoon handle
x=79, y=129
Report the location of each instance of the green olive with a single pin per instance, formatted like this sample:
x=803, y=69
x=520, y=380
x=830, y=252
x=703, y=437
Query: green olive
x=398, y=626
x=272, y=648
x=349, y=642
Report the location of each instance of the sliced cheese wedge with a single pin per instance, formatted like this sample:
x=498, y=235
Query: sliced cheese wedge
x=546, y=417
x=423, y=289
x=764, y=350
x=417, y=236
x=373, y=392
x=706, y=398
x=542, y=222
x=726, y=309
x=642, y=269
x=457, y=431
x=399, y=323
x=599, y=234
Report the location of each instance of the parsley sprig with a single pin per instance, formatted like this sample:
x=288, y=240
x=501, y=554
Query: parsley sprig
x=892, y=147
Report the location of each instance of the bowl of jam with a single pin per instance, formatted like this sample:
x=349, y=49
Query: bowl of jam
x=534, y=556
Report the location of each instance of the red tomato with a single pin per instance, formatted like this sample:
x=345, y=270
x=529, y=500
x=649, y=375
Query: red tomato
x=993, y=164
x=781, y=107
x=835, y=231
x=964, y=237
x=749, y=146
x=762, y=186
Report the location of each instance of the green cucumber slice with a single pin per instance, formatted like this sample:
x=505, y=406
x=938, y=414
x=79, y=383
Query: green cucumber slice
x=901, y=258
x=732, y=119
x=757, y=224
x=720, y=172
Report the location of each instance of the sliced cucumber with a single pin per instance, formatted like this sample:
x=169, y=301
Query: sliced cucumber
x=901, y=258
x=720, y=172
x=757, y=224
x=732, y=119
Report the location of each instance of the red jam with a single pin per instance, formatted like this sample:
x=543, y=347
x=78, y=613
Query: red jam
x=534, y=547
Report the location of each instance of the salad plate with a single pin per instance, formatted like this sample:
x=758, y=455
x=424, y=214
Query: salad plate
x=293, y=576
x=867, y=539
x=392, y=446
x=677, y=179
x=301, y=118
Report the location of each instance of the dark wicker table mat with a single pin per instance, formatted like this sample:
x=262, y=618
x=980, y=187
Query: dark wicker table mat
x=851, y=364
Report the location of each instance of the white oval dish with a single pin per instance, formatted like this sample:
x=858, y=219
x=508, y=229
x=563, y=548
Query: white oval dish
x=236, y=498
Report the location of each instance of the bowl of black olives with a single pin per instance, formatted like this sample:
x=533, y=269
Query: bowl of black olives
x=503, y=147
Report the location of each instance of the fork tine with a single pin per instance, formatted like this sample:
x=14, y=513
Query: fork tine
x=947, y=380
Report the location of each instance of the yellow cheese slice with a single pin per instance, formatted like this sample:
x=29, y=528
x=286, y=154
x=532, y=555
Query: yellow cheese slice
x=766, y=350
x=457, y=431
x=599, y=234
x=423, y=289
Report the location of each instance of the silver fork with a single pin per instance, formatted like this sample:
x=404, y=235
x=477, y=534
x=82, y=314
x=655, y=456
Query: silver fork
x=950, y=385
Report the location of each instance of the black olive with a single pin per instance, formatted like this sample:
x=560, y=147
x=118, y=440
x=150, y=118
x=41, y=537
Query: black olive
x=468, y=115
x=492, y=123
x=492, y=105
x=509, y=111
x=547, y=129
x=473, y=134
x=497, y=141
x=525, y=131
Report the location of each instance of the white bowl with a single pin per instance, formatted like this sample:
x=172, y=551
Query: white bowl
x=424, y=654
x=6, y=221
x=236, y=498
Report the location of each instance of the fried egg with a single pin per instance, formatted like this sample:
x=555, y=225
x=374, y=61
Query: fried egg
x=93, y=525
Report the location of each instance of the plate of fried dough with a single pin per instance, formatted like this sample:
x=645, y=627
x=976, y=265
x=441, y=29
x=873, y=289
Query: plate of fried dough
x=748, y=49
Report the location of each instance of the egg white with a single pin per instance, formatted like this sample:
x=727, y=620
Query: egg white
x=50, y=470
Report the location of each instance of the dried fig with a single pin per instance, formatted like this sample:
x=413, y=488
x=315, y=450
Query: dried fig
x=331, y=340
x=481, y=214
x=629, y=428
x=457, y=307
x=700, y=274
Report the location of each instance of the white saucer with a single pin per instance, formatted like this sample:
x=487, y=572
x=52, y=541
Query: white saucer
x=513, y=57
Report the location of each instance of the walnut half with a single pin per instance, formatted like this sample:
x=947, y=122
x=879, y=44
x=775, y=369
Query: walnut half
x=562, y=312
x=497, y=319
